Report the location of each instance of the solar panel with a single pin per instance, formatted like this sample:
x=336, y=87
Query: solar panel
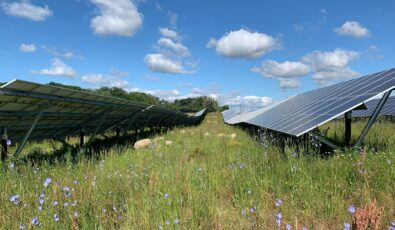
x=304, y=112
x=64, y=112
x=388, y=109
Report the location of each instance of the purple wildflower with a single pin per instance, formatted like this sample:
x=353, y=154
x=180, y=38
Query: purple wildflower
x=252, y=209
x=278, y=217
x=75, y=214
x=35, y=221
x=65, y=204
x=288, y=227
x=166, y=196
x=41, y=201
x=278, y=202
x=392, y=225
x=15, y=199
x=351, y=209
x=67, y=188
x=9, y=142
x=55, y=203
x=56, y=217
x=22, y=226
x=243, y=211
x=304, y=228
x=47, y=182
x=40, y=208
x=346, y=226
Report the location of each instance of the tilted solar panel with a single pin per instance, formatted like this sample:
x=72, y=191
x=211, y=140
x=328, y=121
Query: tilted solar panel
x=63, y=112
x=304, y=112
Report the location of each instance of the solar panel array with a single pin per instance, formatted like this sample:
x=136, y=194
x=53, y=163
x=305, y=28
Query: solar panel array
x=304, y=112
x=387, y=110
x=64, y=112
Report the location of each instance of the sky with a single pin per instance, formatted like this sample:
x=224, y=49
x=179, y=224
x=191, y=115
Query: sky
x=250, y=53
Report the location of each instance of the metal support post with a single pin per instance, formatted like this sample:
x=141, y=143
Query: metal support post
x=347, y=127
x=4, y=146
x=373, y=118
x=38, y=116
x=104, y=115
x=82, y=135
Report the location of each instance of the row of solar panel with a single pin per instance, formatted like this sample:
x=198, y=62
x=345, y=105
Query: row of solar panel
x=63, y=112
x=304, y=112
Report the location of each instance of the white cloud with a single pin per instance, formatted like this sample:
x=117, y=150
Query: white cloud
x=282, y=70
x=163, y=64
x=166, y=32
x=116, y=17
x=331, y=66
x=58, y=68
x=100, y=80
x=243, y=44
x=61, y=54
x=323, y=60
x=330, y=76
x=27, y=48
x=289, y=83
x=354, y=29
x=168, y=95
x=27, y=10
x=246, y=101
x=178, y=48
x=173, y=17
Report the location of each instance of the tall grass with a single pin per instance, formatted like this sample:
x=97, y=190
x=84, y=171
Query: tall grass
x=204, y=180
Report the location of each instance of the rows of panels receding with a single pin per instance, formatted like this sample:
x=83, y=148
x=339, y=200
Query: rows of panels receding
x=387, y=110
x=304, y=112
x=64, y=112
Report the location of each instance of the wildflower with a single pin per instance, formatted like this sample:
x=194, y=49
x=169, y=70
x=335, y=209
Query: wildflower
x=41, y=195
x=47, y=182
x=65, y=204
x=351, y=209
x=252, y=209
x=67, y=194
x=278, y=202
x=249, y=192
x=167, y=222
x=75, y=181
x=56, y=217
x=75, y=214
x=243, y=212
x=346, y=226
x=22, y=226
x=35, y=221
x=304, y=228
x=176, y=221
x=12, y=165
x=160, y=227
x=40, y=208
x=278, y=217
x=41, y=201
x=288, y=227
x=9, y=142
x=67, y=188
x=15, y=199
x=242, y=166
x=104, y=210
x=55, y=203
x=74, y=203
x=166, y=196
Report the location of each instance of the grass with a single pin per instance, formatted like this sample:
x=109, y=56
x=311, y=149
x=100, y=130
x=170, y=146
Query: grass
x=204, y=180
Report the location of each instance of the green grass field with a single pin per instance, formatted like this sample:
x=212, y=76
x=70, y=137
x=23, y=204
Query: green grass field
x=204, y=180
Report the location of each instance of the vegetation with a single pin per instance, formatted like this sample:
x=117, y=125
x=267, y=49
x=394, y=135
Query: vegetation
x=204, y=180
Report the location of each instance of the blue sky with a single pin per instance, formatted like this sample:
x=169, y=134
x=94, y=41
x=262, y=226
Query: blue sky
x=239, y=52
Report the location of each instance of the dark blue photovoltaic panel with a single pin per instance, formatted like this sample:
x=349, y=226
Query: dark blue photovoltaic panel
x=304, y=112
x=387, y=110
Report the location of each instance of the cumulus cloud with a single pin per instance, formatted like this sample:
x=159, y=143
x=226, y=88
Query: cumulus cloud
x=178, y=48
x=168, y=33
x=354, y=29
x=100, y=80
x=25, y=9
x=168, y=95
x=163, y=64
x=285, y=72
x=58, y=68
x=286, y=69
x=289, y=83
x=116, y=17
x=243, y=44
x=27, y=48
x=331, y=66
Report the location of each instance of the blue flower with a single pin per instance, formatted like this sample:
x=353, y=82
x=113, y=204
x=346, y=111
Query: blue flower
x=40, y=208
x=15, y=199
x=65, y=204
x=47, y=182
x=56, y=217
x=41, y=201
x=252, y=209
x=392, y=225
x=243, y=212
x=41, y=195
x=304, y=228
x=166, y=196
x=67, y=188
x=288, y=227
x=278, y=202
x=346, y=226
x=278, y=217
x=22, y=226
x=9, y=142
x=351, y=209
x=67, y=194
x=35, y=221
x=55, y=203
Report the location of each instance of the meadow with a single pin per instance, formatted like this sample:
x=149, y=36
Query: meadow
x=204, y=180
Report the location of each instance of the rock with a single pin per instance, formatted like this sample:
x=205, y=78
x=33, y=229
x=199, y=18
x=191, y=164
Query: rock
x=168, y=143
x=142, y=144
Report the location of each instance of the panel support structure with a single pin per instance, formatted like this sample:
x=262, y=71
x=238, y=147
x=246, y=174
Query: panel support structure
x=347, y=128
x=4, y=146
x=373, y=118
x=82, y=134
x=327, y=142
x=36, y=119
x=104, y=115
